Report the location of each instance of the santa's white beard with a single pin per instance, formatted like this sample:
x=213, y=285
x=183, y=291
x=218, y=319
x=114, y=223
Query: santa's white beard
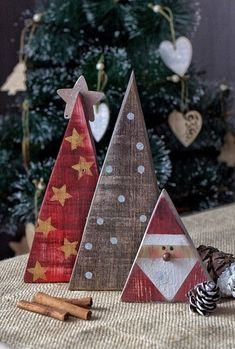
x=169, y=276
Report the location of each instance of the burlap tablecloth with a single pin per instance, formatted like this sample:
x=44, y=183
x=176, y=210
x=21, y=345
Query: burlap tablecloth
x=116, y=324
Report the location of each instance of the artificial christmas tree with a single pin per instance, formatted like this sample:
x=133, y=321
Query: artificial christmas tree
x=122, y=204
x=68, y=196
x=167, y=264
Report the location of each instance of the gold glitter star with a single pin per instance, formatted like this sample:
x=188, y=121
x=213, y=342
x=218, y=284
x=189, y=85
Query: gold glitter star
x=45, y=227
x=89, y=98
x=38, y=272
x=75, y=139
x=69, y=248
x=60, y=194
x=83, y=167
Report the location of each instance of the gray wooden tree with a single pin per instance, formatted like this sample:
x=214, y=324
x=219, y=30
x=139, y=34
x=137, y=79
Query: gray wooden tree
x=123, y=202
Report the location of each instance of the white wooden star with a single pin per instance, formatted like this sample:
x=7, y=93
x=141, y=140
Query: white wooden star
x=89, y=98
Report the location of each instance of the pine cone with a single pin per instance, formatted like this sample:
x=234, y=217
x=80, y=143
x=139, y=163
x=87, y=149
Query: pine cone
x=203, y=298
x=216, y=261
x=226, y=281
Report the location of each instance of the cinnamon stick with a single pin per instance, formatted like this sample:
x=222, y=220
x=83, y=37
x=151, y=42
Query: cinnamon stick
x=85, y=302
x=43, y=310
x=72, y=309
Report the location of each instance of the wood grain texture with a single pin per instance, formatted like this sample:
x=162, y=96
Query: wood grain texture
x=122, y=204
x=66, y=203
x=155, y=278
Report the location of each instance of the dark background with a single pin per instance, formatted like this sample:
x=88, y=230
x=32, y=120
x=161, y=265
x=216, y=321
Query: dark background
x=213, y=43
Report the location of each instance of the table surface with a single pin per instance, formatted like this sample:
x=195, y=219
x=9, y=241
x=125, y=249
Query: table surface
x=121, y=325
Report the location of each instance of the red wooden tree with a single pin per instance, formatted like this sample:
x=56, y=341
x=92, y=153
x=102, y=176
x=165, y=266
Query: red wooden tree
x=122, y=205
x=167, y=264
x=69, y=193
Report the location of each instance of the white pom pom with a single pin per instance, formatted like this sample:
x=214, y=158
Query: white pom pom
x=37, y=17
x=156, y=8
x=100, y=66
x=175, y=78
x=226, y=281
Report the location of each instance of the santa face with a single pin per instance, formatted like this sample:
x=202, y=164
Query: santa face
x=167, y=260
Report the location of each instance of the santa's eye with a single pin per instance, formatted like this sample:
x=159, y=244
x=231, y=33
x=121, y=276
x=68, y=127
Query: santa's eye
x=163, y=247
x=171, y=248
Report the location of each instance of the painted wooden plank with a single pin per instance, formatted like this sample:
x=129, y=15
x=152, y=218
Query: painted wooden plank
x=122, y=205
x=167, y=264
x=66, y=203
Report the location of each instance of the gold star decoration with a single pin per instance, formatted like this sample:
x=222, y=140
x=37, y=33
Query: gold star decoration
x=69, y=248
x=89, y=98
x=83, y=167
x=60, y=194
x=76, y=140
x=45, y=227
x=38, y=272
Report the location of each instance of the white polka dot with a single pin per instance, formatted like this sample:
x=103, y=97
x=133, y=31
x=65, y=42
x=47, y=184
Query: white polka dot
x=100, y=221
x=88, y=246
x=109, y=169
x=121, y=198
x=88, y=275
x=141, y=169
x=113, y=241
x=130, y=116
x=139, y=146
x=143, y=218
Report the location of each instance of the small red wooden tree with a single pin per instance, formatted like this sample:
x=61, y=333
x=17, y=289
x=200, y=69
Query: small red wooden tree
x=167, y=264
x=69, y=193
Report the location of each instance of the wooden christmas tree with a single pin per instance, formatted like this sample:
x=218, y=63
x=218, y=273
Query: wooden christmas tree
x=167, y=264
x=122, y=204
x=69, y=193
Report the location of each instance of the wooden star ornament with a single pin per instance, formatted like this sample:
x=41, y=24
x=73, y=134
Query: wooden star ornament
x=89, y=98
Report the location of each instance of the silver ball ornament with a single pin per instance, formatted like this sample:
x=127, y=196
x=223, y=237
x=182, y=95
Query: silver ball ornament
x=156, y=8
x=100, y=66
x=175, y=78
x=37, y=17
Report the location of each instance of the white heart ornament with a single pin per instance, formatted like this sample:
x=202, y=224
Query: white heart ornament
x=177, y=57
x=185, y=127
x=101, y=122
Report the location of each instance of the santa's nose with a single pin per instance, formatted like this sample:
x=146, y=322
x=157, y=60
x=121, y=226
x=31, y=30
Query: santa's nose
x=166, y=257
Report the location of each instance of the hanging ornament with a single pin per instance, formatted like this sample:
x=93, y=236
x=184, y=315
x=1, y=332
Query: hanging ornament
x=100, y=124
x=15, y=82
x=101, y=111
x=185, y=126
x=177, y=56
x=227, y=153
